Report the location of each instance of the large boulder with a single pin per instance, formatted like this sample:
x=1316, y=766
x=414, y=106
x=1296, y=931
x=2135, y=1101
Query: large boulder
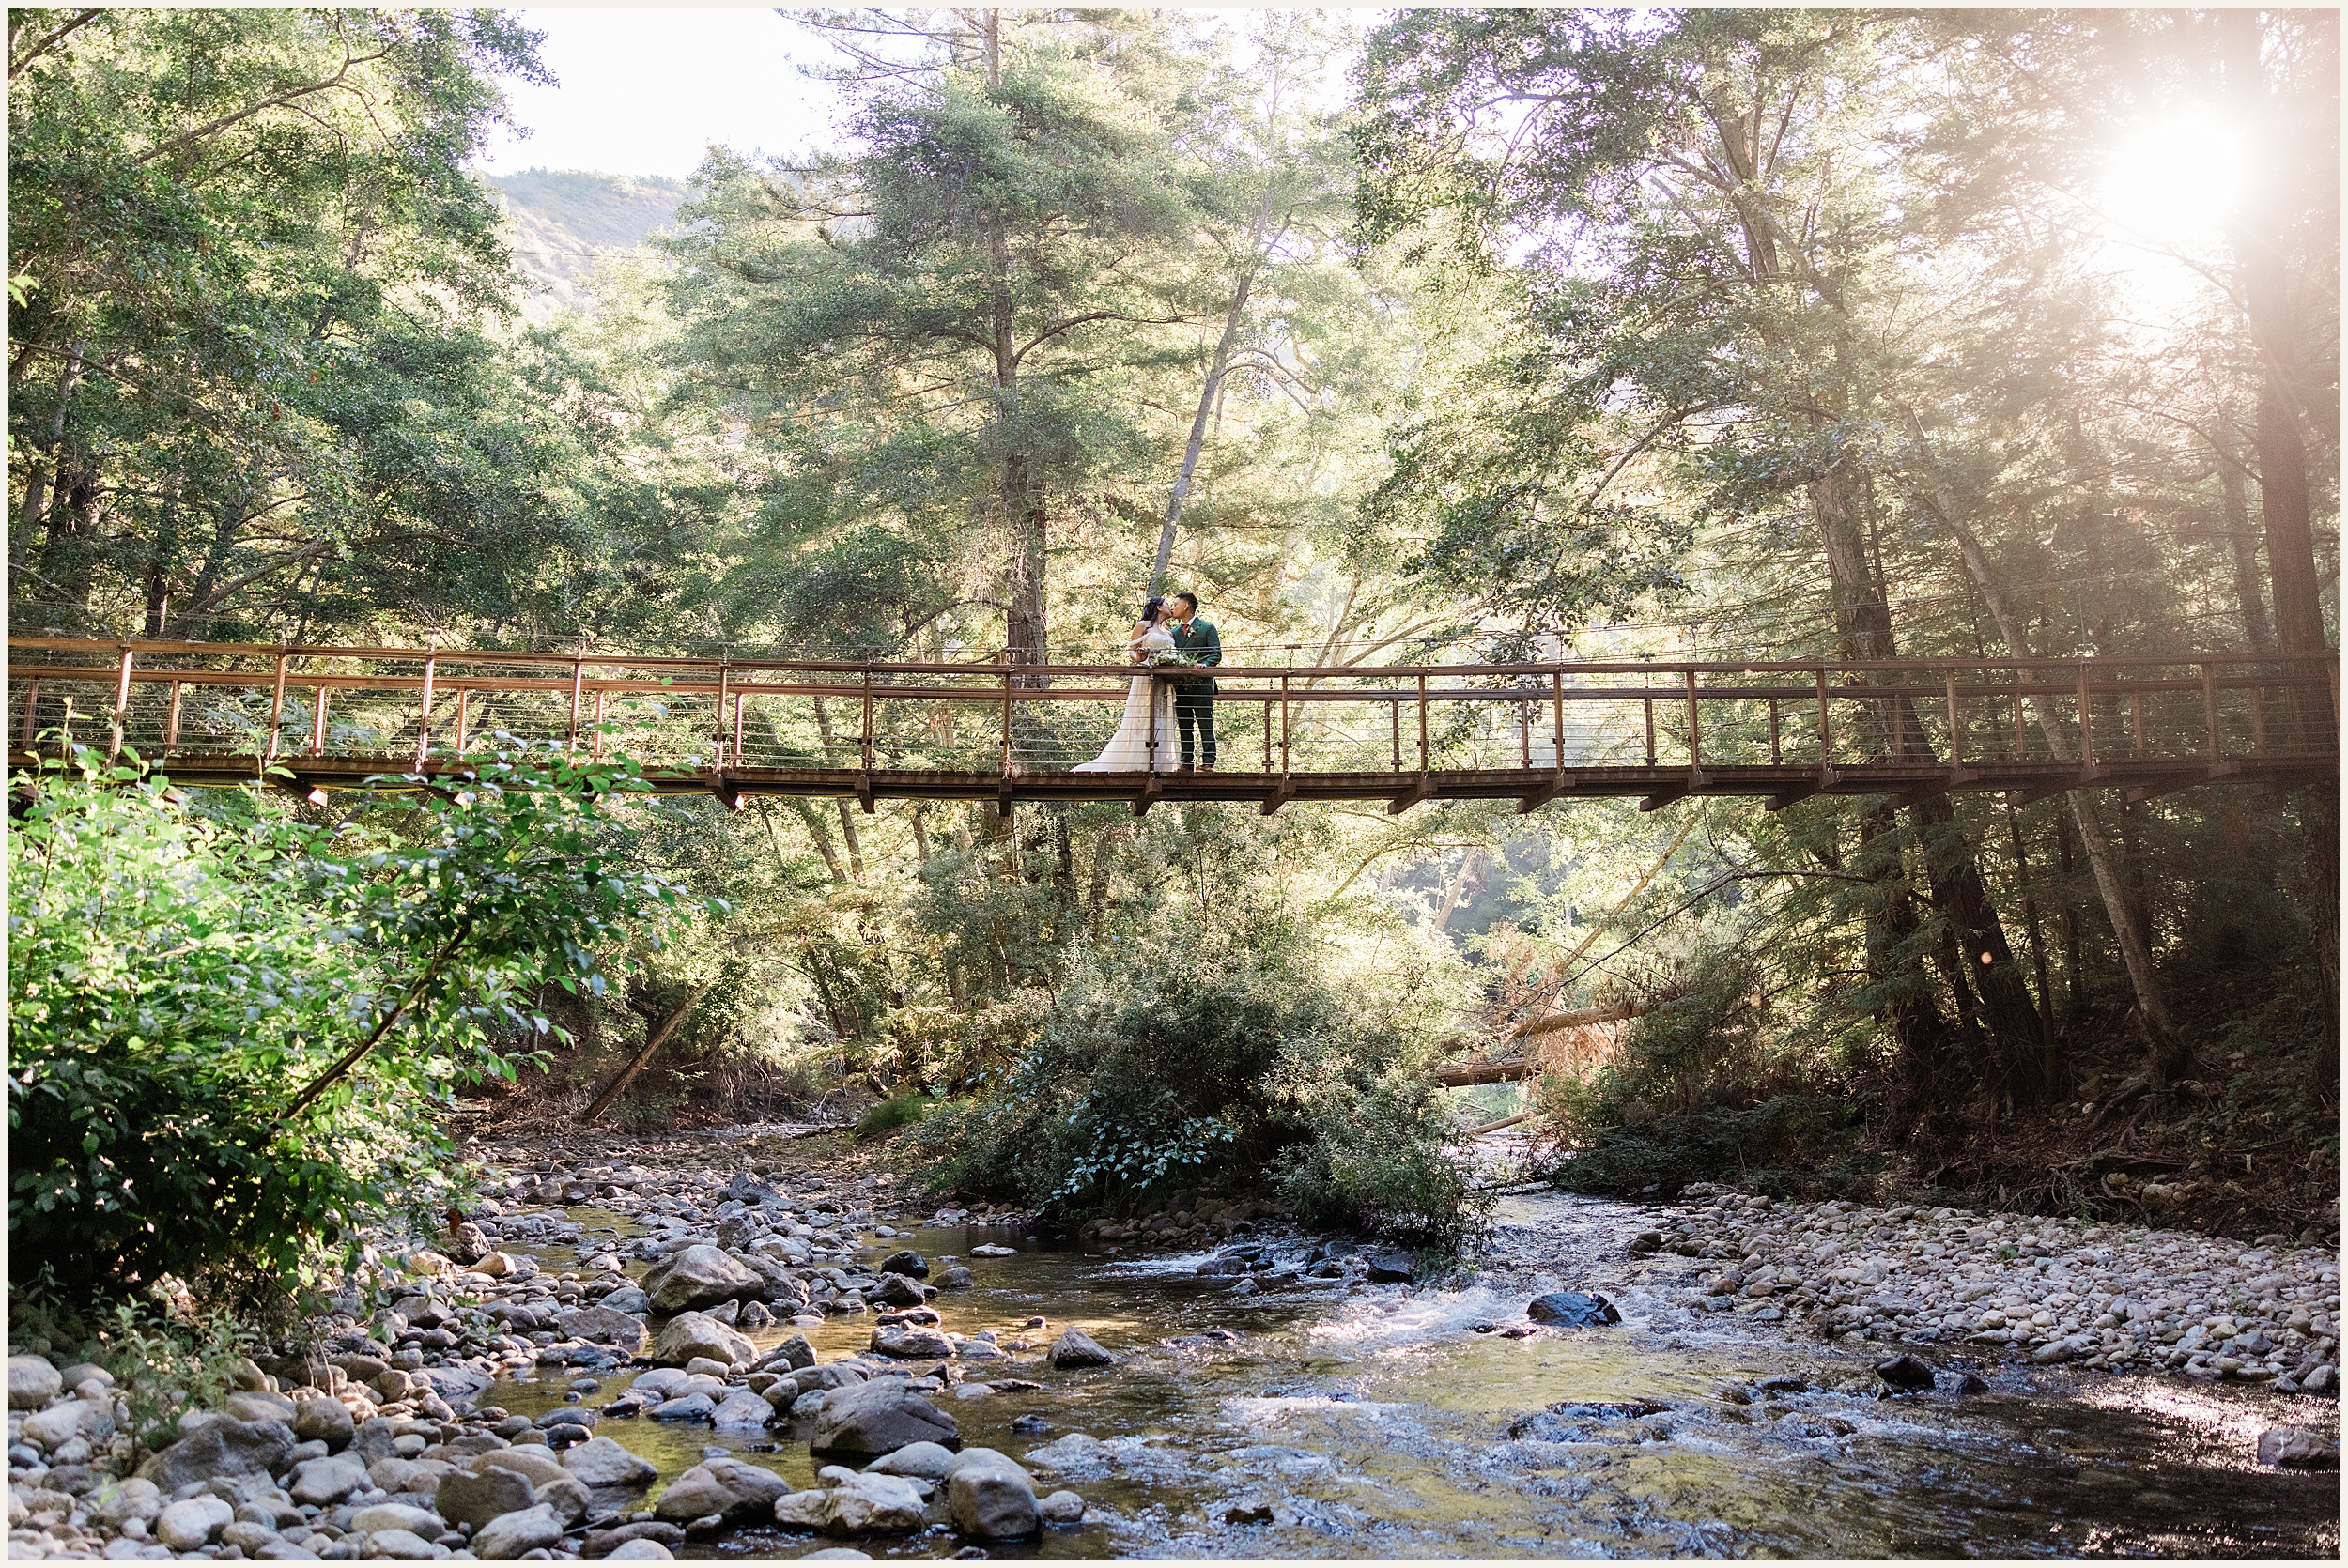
x=602, y=1325
x=991, y=1497
x=700, y=1276
x=32, y=1382
x=507, y=1536
x=790, y=1355
x=733, y=1489
x=926, y=1461
x=896, y=1290
x=868, y=1419
x=61, y=1424
x=906, y=1261
x=459, y=1384
x=1075, y=1348
x=221, y=1447
x=1905, y=1372
x=600, y=1462
x=1572, y=1309
x=692, y=1334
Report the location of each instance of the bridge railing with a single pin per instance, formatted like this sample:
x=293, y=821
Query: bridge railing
x=403, y=705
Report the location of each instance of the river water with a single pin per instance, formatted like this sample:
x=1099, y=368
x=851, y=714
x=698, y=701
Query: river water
x=1376, y=1425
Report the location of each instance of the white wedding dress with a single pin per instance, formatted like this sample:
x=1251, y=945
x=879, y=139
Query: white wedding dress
x=1148, y=706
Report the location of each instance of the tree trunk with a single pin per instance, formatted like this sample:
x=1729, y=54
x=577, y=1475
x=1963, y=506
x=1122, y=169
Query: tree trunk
x=41, y=470
x=2246, y=556
x=1199, y=425
x=2257, y=238
x=2167, y=1054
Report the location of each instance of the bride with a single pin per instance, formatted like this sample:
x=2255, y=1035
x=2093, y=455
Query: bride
x=1148, y=705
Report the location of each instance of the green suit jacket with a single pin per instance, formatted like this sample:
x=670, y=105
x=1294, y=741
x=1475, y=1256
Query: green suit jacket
x=1203, y=643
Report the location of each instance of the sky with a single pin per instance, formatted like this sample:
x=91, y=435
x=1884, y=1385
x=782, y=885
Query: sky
x=645, y=89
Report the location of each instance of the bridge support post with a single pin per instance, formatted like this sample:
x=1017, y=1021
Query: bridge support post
x=122, y=703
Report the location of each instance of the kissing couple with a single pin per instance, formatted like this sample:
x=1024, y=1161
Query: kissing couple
x=1169, y=633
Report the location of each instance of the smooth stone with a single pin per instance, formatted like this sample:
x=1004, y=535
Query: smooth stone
x=509, y=1536
x=474, y=1498
x=223, y=1447
x=991, y=1496
x=329, y=1480
x=401, y=1545
x=1060, y=1508
x=32, y=1382
x=600, y=1325
x=732, y=1489
x=1075, y=1348
x=395, y=1516
x=600, y=1462
x=877, y=1505
x=924, y=1461
x=324, y=1420
x=692, y=1334
x=880, y=1417
x=638, y=1551
x=2298, y=1447
x=246, y=1405
x=185, y=1526
x=743, y=1408
x=1905, y=1372
x=697, y=1276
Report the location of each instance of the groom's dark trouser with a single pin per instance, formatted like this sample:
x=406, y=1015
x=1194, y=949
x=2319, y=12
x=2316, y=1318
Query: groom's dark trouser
x=1196, y=708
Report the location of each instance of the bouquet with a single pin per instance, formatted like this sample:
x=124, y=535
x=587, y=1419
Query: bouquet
x=1170, y=658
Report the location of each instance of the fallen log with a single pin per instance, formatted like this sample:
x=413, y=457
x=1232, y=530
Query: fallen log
x=1486, y=1072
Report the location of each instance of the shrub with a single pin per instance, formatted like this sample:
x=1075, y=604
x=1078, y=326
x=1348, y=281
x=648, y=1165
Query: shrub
x=227, y=1038
x=1207, y=1048
x=890, y=1115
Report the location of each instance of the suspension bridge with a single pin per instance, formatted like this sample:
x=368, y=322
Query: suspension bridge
x=316, y=720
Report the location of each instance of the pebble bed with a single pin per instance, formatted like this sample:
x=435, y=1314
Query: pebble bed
x=2110, y=1296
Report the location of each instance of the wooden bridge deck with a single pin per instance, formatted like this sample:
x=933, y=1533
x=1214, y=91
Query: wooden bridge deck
x=320, y=718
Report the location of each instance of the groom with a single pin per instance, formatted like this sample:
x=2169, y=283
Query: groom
x=1194, y=696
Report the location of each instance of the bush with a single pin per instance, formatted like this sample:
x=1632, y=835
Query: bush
x=227, y=1038
x=1203, y=1049
x=890, y=1115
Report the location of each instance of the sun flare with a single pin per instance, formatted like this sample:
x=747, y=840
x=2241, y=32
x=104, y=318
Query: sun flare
x=2175, y=181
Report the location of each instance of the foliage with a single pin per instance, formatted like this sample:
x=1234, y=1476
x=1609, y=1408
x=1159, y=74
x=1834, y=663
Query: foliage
x=190, y=996
x=890, y=1115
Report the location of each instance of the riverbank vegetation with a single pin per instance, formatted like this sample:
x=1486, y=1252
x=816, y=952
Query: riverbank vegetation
x=1756, y=335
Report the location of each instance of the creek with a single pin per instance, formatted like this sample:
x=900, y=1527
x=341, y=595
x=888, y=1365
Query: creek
x=1307, y=1421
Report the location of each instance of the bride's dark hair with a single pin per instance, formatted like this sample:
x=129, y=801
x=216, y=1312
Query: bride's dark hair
x=1150, y=611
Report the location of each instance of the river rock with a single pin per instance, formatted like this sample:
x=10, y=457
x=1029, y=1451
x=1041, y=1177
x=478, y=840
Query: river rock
x=1390, y=1265
x=735, y=1491
x=872, y=1419
x=1062, y=1508
x=507, y=1536
x=395, y=1516
x=259, y=1404
x=742, y=1408
x=399, y=1545
x=924, y=1461
x=911, y=1341
x=792, y=1353
x=61, y=1424
x=896, y=1290
x=991, y=1496
x=602, y=1325
x=692, y=1334
x=1905, y=1372
x=599, y=1462
x=117, y=1502
x=32, y=1382
x=627, y=1298
x=906, y=1262
x=225, y=1447
x=871, y=1504
x=698, y=1276
x=638, y=1551
x=692, y=1407
x=323, y=1421
x=475, y=1498
x=957, y=1278
x=1075, y=1348
x=329, y=1480
x=1572, y=1309
x=2300, y=1448
x=185, y=1526
x=533, y=1462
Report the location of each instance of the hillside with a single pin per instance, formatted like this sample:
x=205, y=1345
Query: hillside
x=560, y=222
